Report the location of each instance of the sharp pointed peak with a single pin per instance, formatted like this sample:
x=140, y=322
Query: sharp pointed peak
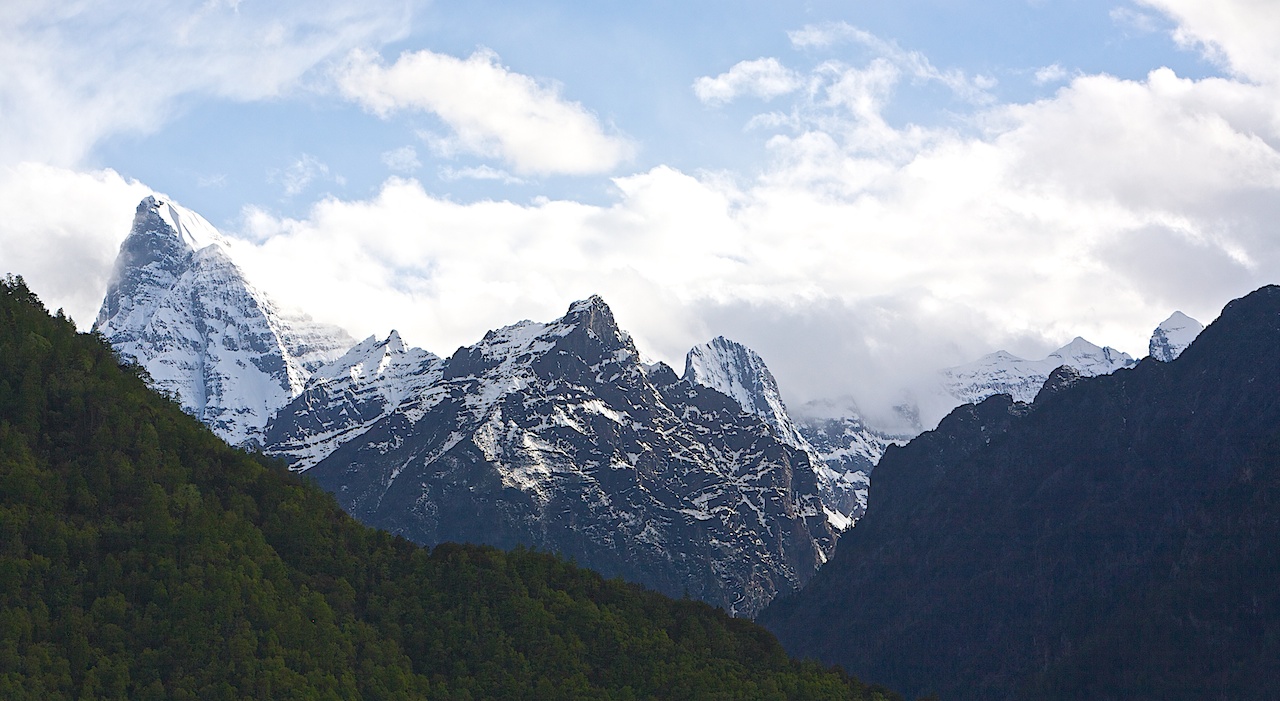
x=394, y=343
x=595, y=315
x=1080, y=343
x=726, y=342
x=1178, y=320
x=158, y=215
x=594, y=302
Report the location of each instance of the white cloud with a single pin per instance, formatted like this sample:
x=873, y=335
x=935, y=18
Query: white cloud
x=1053, y=73
x=874, y=250
x=822, y=36
x=402, y=160
x=975, y=89
x=491, y=110
x=1138, y=21
x=479, y=173
x=1240, y=34
x=764, y=78
x=212, y=180
x=75, y=73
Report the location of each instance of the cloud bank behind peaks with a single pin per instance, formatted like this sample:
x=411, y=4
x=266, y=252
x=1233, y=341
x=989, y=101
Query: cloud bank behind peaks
x=491, y=110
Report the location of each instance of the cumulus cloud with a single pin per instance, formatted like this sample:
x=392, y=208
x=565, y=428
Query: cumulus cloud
x=491, y=110
x=765, y=78
x=1240, y=34
x=59, y=97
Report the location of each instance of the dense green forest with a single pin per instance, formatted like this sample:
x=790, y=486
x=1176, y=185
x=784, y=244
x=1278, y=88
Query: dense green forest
x=142, y=558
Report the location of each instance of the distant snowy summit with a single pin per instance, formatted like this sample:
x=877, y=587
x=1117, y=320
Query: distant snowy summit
x=1172, y=336
x=741, y=374
x=1004, y=373
x=180, y=307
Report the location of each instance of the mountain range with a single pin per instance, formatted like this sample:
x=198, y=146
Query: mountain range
x=551, y=435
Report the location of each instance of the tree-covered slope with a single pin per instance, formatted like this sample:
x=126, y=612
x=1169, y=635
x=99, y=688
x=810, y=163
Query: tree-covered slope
x=142, y=558
x=1119, y=538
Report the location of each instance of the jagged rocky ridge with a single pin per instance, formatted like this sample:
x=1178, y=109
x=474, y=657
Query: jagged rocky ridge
x=177, y=305
x=557, y=436
x=1116, y=539
x=344, y=399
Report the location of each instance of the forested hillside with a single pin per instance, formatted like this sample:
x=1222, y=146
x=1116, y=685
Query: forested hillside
x=142, y=558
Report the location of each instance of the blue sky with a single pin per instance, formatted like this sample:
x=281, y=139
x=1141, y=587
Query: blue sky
x=633, y=65
x=861, y=191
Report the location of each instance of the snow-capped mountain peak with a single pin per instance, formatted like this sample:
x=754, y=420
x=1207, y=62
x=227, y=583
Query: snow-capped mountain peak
x=366, y=360
x=191, y=228
x=1088, y=358
x=179, y=305
x=1172, y=336
x=842, y=448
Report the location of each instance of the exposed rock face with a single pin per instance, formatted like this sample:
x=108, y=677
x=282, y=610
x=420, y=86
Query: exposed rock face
x=849, y=450
x=179, y=306
x=741, y=374
x=1115, y=539
x=1172, y=336
x=1058, y=380
x=842, y=450
x=556, y=436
